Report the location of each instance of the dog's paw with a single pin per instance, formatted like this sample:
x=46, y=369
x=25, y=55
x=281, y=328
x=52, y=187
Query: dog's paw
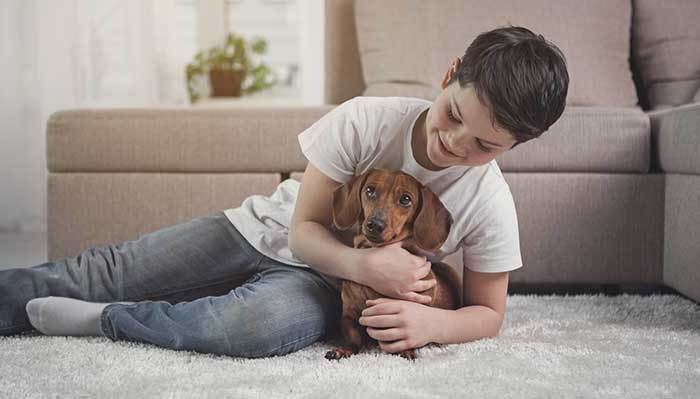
x=339, y=353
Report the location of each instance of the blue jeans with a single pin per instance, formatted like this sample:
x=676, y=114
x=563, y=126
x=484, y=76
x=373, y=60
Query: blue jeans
x=198, y=285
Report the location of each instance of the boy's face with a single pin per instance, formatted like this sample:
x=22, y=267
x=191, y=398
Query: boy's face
x=458, y=131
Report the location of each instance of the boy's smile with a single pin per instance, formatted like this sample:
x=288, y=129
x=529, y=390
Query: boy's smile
x=457, y=130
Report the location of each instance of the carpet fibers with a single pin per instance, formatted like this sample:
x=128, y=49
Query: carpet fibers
x=581, y=346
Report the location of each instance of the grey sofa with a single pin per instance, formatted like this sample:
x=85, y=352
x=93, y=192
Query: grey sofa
x=607, y=200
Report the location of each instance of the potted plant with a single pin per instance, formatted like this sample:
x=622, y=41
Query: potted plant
x=230, y=69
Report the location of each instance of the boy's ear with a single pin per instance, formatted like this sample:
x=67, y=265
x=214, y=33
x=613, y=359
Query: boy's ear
x=451, y=70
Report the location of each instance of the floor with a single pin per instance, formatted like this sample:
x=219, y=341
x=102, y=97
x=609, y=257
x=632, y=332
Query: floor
x=22, y=249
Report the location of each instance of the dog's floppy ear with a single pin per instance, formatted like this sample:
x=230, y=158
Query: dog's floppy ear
x=432, y=225
x=347, y=204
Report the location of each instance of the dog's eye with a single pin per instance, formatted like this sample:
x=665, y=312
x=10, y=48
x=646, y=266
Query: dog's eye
x=370, y=191
x=405, y=200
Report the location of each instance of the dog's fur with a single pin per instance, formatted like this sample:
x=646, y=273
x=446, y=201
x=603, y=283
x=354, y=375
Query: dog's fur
x=423, y=222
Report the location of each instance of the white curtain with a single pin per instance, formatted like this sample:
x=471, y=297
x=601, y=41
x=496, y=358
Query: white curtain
x=61, y=54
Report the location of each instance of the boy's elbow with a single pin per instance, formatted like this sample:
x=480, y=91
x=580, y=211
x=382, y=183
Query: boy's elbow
x=292, y=236
x=290, y=239
x=497, y=329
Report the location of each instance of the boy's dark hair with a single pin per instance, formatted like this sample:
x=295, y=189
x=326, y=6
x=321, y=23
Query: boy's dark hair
x=520, y=76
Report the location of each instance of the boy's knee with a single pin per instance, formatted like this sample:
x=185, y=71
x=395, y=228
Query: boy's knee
x=243, y=331
x=268, y=329
x=250, y=329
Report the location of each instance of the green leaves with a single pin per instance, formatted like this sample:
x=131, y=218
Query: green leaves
x=234, y=55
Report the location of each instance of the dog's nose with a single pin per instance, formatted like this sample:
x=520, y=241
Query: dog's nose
x=375, y=226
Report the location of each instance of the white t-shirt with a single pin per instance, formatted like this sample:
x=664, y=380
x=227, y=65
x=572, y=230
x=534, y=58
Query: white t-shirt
x=375, y=132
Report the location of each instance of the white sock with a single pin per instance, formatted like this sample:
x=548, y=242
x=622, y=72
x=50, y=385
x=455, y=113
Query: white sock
x=56, y=315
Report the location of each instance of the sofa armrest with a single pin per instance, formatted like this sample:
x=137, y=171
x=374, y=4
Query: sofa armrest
x=189, y=140
x=675, y=134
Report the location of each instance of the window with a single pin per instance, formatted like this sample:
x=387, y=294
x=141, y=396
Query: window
x=293, y=30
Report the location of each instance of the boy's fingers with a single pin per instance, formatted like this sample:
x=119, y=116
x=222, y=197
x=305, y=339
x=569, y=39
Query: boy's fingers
x=424, y=270
x=424, y=299
x=415, y=297
x=427, y=284
x=423, y=285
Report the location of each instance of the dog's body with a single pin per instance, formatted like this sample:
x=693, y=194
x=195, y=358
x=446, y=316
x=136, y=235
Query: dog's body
x=444, y=294
x=425, y=228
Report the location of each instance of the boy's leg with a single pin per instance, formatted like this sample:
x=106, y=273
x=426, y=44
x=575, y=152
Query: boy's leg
x=201, y=256
x=281, y=309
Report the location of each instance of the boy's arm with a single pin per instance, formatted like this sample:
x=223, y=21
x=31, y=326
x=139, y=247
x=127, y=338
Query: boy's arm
x=484, y=308
x=484, y=292
x=309, y=236
x=317, y=246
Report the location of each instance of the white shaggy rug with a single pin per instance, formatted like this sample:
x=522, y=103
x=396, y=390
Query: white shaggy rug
x=583, y=346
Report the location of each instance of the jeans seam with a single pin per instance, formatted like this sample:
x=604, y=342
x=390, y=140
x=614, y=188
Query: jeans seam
x=260, y=259
x=188, y=288
x=104, y=319
x=202, y=285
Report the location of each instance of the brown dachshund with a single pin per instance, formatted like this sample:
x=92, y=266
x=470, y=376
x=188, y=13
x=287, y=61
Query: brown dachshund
x=391, y=206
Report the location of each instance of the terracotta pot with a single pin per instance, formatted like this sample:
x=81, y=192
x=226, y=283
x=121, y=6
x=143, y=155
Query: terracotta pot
x=225, y=82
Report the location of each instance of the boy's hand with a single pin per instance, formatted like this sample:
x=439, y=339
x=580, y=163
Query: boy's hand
x=396, y=273
x=400, y=325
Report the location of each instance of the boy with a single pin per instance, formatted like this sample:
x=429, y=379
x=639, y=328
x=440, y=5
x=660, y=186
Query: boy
x=279, y=253
x=509, y=88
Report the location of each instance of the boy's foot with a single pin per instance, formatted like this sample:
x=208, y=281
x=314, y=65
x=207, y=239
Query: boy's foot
x=56, y=315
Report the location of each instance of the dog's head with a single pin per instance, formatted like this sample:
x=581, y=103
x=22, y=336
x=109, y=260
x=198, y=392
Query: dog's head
x=391, y=206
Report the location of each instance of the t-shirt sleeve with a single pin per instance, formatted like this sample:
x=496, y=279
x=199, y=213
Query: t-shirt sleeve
x=334, y=144
x=493, y=245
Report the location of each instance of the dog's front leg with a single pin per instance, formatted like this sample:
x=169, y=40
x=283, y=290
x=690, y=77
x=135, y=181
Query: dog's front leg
x=353, y=340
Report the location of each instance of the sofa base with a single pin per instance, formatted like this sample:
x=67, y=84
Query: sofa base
x=592, y=289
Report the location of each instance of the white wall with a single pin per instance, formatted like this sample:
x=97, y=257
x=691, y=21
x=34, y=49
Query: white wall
x=311, y=46
x=22, y=144
x=62, y=54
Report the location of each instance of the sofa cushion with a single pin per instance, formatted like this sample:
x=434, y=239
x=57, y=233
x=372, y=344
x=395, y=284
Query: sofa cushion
x=676, y=136
x=178, y=140
x=584, y=139
x=666, y=50
x=402, y=90
x=412, y=42
x=587, y=139
x=343, y=70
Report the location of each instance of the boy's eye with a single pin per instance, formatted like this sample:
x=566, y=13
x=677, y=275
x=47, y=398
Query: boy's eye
x=451, y=116
x=478, y=143
x=483, y=147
